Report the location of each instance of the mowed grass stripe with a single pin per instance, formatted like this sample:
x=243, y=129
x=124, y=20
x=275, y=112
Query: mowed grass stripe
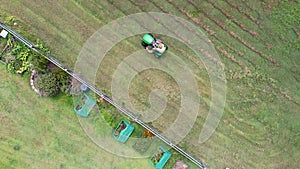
x=208, y=13
x=215, y=37
x=65, y=40
x=52, y=12
x=82, y=26
x=191, y=10
x=98, y=10
x=80, y=11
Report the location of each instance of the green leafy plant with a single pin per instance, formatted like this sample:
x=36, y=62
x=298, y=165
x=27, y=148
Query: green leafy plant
x=47, y=84
x=19, y=63
x=9, y=20
x=26, y=59
x=39, y=63
x=42, y=47
x=63, y=80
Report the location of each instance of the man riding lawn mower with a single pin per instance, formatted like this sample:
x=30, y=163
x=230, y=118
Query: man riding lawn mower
x=152, y=45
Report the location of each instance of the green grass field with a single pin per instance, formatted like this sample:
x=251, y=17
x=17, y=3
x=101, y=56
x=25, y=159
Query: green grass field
x=45, y=133
x=260, y=126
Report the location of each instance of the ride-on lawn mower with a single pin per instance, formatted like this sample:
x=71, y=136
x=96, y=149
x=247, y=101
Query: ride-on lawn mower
x=152, y=45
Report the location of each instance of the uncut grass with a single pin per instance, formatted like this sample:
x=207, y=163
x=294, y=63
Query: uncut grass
x=47, y=131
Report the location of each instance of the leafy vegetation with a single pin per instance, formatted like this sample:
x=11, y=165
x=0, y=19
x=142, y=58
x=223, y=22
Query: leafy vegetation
x=19, y=62
x=47, y=84
x=53, y=82
x=39, y=64
x=20, y=59
x=110, y=114
x=62, y=80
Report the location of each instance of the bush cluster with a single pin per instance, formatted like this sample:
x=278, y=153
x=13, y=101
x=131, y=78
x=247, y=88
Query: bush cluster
x=21, y=59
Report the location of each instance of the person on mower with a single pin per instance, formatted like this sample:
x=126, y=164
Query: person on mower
x=153, y=45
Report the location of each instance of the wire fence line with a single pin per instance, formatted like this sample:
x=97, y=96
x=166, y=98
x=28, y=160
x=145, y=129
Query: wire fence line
x=125, y=111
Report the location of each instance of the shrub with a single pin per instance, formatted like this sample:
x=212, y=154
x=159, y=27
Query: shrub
x=9, y=20
x=42, y=47
x=63, y=80
x=19, y=63
x=24, y=56
x=39, y=63
x=47, y=84
x=54, y=82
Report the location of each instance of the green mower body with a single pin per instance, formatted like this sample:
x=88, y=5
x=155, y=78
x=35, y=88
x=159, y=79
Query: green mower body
x=148, y=39
x=157, y=47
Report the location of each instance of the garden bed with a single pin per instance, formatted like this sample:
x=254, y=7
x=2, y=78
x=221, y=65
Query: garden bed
x=160, y=158
x=120, y=128
x=180, y=165
x=81, y=103
x=157, y=156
